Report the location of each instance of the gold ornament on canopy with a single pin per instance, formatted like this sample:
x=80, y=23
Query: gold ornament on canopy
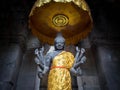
x=70, y=17
x=60, y=20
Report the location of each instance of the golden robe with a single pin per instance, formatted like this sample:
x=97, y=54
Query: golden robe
x=59, y=75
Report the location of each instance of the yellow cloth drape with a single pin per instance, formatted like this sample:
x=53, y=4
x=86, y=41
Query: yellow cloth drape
x=59, y=75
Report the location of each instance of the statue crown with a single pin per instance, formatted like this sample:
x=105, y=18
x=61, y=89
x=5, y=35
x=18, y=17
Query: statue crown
x=59, y=37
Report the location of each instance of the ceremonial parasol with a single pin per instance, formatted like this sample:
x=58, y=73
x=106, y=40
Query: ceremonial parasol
x=70, y=17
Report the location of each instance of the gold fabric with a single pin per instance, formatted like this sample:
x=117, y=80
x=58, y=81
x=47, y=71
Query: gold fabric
x=59, y=78
x=80, y=3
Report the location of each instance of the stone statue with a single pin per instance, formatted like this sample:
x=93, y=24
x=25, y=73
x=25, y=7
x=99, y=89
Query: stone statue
x=59, y=64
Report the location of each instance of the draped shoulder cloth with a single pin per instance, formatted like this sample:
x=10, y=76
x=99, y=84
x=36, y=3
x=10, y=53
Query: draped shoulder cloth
x=59, y=75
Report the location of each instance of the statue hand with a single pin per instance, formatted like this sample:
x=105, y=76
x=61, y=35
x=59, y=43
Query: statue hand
x=40, y=75
x=36, y=51
x=46, y=69
x=77, y=64
x=73, y=71
x=43, y=72
x=39, y=53
x=80, y=54
x=77, y=49
x=37, y=60
x=79, y=71
x=76, y=72
x=82, y=50
x=42, y=49
x=83, y=59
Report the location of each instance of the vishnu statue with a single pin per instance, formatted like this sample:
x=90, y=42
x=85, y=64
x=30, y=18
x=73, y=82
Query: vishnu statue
x=59, y=64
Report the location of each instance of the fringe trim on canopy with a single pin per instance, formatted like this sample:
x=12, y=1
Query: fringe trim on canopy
x=69, y=41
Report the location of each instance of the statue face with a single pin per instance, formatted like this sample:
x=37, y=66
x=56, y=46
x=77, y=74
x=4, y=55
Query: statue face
x=59, y=44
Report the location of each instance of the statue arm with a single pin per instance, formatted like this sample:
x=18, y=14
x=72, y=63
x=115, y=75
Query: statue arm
x=79, y=59
x=83, y=59
x=81, y=54
x=39, y=55
x=46, y=66
x=77, y=55
x=39, y=64
x=40, y=60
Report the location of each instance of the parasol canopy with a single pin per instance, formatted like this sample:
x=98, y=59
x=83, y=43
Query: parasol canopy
x=70, y=17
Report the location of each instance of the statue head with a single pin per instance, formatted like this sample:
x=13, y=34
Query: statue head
x=59, y=42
